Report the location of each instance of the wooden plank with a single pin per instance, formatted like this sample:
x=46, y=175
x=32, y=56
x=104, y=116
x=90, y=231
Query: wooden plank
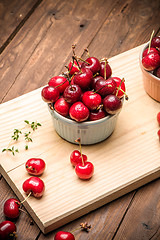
x=132, y=143
x=43, y=46
x=23, y=223
x=12, y=15
x=143, y=215
x=104, y=221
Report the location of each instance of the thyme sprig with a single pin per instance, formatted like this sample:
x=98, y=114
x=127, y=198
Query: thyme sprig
x=27, y=136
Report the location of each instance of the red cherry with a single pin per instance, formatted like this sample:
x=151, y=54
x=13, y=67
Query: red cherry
x=59, y=82
x=62, y=107
x=158, y=133
x=157, y=72
x=108, y=70
x=151, y=61
x=35, y=166
x=84, y=170
x=7, y=230
x=61, y=235
x=35, y=186
x=72, y=93
x=122, y=87
x=105, y=86
x=79, y=112
x=74, y=69
x=76, y=157
x=112, y=104
x=155, y=42
x=94, y=80
x=83, y=78
x=97, y=114
x=158, y=118
x=92, y=64
x=11, y=208
x=50, y=94
x=152, y=50
x=92, y=100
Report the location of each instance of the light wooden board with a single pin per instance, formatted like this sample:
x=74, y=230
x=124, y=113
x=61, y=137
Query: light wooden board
x=129, y=158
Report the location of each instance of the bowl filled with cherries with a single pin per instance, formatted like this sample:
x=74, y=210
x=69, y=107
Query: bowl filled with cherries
x=150, y=66
x=85, y=100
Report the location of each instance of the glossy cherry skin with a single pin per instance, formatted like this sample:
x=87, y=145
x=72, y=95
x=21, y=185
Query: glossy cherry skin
x=119, y=81
x=94, y=80
x=62, y=107
x=60, y=82
x=11, y=208
x=83, y=78
x=155, y=42
x=158, y=118
x=75, y=68
x=50, y=94
x=72, y=93
x=151, y=61
x=92, y=100
x=112, y=104
x=84, y=171
x=108, y=70
x=152, y=50
x=35, y=185
x=35, y=166
x=7, y=230
x=62, y=235
x=92, y=64
x=79, y=112
x=97, y=114
x=76, y=157
x=105, y=87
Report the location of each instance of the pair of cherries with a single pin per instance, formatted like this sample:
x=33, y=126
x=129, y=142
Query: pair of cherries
x=83, y=168
x=12, y=207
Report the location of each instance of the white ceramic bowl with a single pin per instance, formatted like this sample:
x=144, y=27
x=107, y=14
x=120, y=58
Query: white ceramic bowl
x=90, y=132
x=151, y=82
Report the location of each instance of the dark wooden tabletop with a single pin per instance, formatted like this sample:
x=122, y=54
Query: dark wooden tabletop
x=35, y=44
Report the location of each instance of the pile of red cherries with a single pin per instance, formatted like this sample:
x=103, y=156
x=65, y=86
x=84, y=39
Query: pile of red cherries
x=151, y=57
x=86, y=91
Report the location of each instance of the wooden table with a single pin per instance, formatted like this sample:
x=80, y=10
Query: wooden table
x=36, y=38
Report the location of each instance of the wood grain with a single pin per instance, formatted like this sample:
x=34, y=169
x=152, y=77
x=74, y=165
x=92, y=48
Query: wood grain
x=137, y=168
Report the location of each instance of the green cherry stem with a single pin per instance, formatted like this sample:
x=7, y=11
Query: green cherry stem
x=150, y=42
x=26, y=197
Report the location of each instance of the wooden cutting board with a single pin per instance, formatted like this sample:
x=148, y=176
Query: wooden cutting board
x=128, y=159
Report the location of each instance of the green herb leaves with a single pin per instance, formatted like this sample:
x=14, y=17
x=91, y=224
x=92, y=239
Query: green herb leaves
x=27, y=136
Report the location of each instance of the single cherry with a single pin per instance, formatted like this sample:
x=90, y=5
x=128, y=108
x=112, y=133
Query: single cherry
x=151, y=50
x=59, y=82
x=35, y=166
x=62, y=235
x=112, y=104
x=7, y=230
x=155, y=42
x=50, y=94
x=72, y=93
x=84, y=170
x=92, y=100
x=105, y=70
x=92, y=64
x=79, y=112
x=62, y=107
x=94, y=80
x=73, y=67
x=76, y=157
x=34, y=186
x=151, y=61
x=11, y=208
x=105, y=86
x=97, y=114
x=158, y=118
x=158, y=133
x=83, y=78
x=157, y=72
x=120, y=90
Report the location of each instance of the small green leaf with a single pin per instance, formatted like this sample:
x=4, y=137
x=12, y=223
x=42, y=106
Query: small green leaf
x=26, y=121
x=4, y=150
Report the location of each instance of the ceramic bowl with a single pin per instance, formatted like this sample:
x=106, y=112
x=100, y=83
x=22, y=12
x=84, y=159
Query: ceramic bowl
x=151, y=82
x=90, y=132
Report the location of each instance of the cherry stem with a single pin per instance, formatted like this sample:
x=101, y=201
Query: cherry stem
x=26, y=197
x=150, y=42
x=123, y=80
x=87, y=51
x=83, y=226
x=83, y=60
x=75, y=58
x=105, y=69
x=80, y=146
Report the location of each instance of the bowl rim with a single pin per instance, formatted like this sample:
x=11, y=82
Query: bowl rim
x=85, y=123
x=140, y=59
